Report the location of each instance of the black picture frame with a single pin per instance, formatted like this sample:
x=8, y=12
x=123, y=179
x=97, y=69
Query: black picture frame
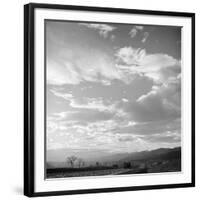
x=29, y=98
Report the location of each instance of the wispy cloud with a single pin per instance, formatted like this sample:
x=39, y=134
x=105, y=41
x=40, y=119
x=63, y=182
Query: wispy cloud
x=103, y=29
x=59, y=73
x=146, y=35
x=85, y=102
x=133, y=32
x=139, y=27
x=78, y=65
x=110, y=96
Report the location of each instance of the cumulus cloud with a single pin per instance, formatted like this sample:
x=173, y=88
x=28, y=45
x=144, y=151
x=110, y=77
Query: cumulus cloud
x=103, y=29
x=106, y=97
x=130, y=56
x=159, y=67
x=151, y=109
x=169, y=92
x=161, y=103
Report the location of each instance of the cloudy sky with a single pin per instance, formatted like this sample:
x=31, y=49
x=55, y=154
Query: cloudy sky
x=112, y=88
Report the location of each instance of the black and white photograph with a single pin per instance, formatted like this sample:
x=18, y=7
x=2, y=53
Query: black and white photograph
x=109, y=99
x=113, y=99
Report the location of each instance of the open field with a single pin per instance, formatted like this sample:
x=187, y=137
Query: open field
x=99, y=172
x=141, y=168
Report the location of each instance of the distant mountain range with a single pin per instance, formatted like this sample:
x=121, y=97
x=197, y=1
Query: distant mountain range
x=157, y=154
x=162, y=153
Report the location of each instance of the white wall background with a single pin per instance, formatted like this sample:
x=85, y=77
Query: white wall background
x=11, y=100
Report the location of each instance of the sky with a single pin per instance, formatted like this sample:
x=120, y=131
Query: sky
x=112, y=88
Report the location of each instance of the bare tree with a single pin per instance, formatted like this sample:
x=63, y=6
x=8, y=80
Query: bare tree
x=71, y=160
x=81, y=163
